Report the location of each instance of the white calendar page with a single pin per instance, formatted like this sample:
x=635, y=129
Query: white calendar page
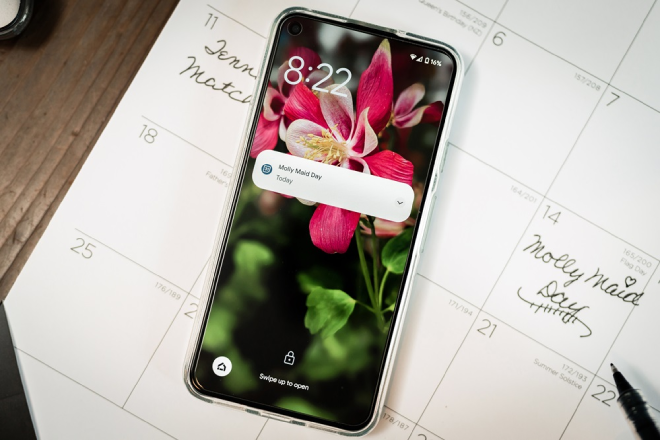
x=539, y=270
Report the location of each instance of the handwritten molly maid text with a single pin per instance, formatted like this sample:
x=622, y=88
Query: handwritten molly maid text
x=195, y=72
x=558, y=303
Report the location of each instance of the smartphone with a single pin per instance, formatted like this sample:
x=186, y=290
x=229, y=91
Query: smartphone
x=329, y=203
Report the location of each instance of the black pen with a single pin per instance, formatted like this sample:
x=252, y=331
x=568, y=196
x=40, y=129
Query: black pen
x=635, y=408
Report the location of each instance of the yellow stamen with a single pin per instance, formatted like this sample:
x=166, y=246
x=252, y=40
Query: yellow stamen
x=324, y=148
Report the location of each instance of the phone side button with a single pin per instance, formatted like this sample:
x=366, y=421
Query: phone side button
x=434, y=184
x=444, y=156
x=426, y=231
x=276, y=417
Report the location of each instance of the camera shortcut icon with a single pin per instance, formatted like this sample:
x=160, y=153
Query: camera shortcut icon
x=266, y=169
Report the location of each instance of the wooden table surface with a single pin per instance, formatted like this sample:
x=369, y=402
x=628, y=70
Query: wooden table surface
x=59, y=83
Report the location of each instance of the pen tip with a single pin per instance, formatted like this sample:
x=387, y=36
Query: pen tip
x=614, y=369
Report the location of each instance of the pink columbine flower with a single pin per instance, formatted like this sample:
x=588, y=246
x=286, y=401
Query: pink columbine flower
x=272, y=122
x=325, y=128
x=406, y=115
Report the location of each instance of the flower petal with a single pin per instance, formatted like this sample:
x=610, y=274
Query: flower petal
x=266, y=136
x=356, y=163
x=409, y=119
x=338, y=111
x=332, y=228
x=303, y=104
x=310, y=59
x=433, y=112
x=390, y=165
x=282, y=129
x=408, y=99
x=364, y=139
x=375, y=88
x=427, y=113
x=273, y=104
x=297, y=132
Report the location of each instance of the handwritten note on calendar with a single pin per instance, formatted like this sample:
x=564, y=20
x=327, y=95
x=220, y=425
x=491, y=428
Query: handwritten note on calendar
x=540, y=269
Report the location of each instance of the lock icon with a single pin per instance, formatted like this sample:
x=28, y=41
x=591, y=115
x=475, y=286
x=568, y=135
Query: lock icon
x=289, y=359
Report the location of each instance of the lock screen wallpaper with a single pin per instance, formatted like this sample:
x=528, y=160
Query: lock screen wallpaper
x=305, y=295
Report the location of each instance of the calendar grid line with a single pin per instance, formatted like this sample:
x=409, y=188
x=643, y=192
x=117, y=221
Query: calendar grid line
x=636, y=99
x=610, y=381
x=385, y=407
x=552, y=53
x=262, y=428
x=577, y=407
x=492, y=25
x=499, y=14
x=188, y=142
x=605, y=230
x=577, y=139
x=481, y=311
x=479, y=12
x=237, y=22
x=627, y=318
x=467, y=333
x=448, y=291
x=199, y=275
x=91, y=390
x=132, y=261
x=397, y=413
x=354, y=8
x=539, y=343
x=156, y=350
x=606, y=83
x=467, y=69
x=531, y=338
x=429, y=430
x=541, y=196
x=497, y=280
x=519, y=182
x=632, y=41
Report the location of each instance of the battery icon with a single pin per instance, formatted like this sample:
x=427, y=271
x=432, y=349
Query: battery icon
x=427, y=60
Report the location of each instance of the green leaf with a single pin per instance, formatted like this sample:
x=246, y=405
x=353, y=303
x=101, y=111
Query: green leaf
x=345, y=353
x=318, y=277
x=251, y=259
x=395, y=252
x=251, y=256
x=327, y=311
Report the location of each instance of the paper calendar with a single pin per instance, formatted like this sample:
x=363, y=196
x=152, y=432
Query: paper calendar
x=539, y=270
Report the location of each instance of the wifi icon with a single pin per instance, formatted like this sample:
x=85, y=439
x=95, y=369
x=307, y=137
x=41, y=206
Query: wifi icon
x=413, y=56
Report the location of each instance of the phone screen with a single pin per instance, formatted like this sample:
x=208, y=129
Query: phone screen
x=322, y=227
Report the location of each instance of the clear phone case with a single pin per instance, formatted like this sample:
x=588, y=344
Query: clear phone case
x=237, y=177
